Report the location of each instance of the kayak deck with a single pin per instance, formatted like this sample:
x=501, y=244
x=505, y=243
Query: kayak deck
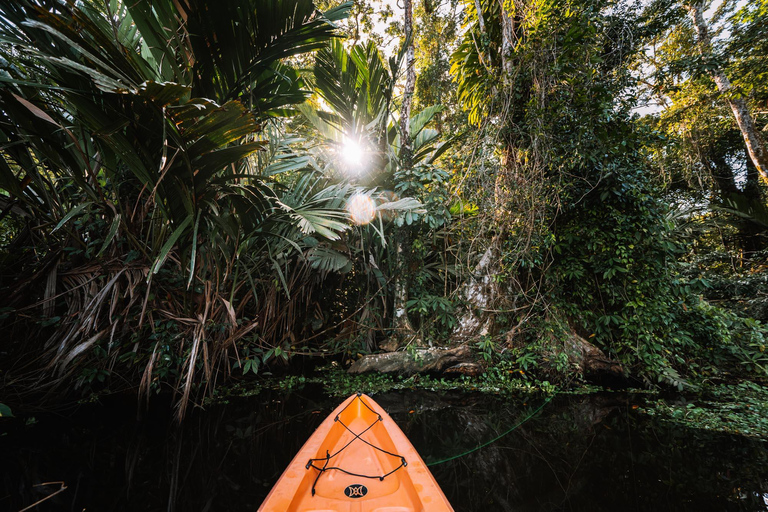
x=358, y=460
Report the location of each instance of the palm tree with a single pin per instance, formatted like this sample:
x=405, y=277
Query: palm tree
x=134, y=138
x=358, y=86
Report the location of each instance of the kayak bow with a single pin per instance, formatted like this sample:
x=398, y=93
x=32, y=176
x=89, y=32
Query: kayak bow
x=358, y=460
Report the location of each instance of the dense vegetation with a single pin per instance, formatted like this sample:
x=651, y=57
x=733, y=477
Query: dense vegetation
x=191, y=195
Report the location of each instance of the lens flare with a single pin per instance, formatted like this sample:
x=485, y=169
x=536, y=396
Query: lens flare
x=353, y=154
x=361, y=209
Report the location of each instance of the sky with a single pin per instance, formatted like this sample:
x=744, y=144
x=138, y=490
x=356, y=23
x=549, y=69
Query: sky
x=397, y=8
x=654, y=107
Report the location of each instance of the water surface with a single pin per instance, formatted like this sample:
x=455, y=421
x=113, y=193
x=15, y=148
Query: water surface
x=594, y=453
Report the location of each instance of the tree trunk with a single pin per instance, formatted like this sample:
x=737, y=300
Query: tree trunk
x=480, y=291
x=410, y=86
x=755, y=145
x=402, y=323
x=507, y=33
x=410, y=363
x=480, y=18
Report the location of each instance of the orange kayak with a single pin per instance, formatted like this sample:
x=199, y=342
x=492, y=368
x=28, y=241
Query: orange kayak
x=358, y=460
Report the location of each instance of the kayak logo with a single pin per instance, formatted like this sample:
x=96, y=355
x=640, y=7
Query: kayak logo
x=356, y=491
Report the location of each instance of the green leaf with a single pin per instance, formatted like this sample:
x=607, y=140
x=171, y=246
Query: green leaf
x=193, y=257
x=72, y=213
x=419, y=121
x=318, y=221
x=326, y=259
x=111, y=234
x=169, y=244
x=5, y=411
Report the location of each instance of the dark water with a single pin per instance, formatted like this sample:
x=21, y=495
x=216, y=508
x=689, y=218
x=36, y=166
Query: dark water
x=590, y=453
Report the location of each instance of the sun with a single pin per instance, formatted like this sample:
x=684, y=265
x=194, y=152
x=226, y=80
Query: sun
x=353, y=154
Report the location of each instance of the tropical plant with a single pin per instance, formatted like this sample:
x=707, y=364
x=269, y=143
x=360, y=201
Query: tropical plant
x=582, y=244
x=358, y=87
x=703, y=153
x=134, y=136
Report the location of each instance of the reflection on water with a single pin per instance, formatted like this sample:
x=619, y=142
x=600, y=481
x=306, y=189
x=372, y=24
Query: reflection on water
x=579, y=453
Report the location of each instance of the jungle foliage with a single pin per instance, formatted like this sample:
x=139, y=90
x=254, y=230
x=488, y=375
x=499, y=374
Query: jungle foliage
x=192, y=194
x=597, y=246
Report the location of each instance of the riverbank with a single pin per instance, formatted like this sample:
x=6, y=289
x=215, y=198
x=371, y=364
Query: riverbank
x=739, y=408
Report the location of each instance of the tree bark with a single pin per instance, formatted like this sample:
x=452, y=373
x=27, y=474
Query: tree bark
x=480, y=291
x=410, y=86
x=480, y=18
x=402, y=323
x=410, y=363
x=507, y=33
x=754, y=142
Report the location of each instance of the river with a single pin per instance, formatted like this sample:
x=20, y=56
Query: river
x=575, y=452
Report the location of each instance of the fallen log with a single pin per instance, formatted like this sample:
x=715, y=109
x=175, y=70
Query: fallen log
x=591, y=361
x=410, y=362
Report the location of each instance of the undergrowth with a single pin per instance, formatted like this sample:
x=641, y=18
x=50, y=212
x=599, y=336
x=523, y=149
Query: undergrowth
x=735, y=409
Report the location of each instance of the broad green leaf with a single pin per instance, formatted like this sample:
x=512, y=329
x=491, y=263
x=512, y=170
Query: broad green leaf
x=326, y=259
x=5, y=411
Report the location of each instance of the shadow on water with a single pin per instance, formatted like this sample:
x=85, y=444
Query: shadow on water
x=579, y=453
